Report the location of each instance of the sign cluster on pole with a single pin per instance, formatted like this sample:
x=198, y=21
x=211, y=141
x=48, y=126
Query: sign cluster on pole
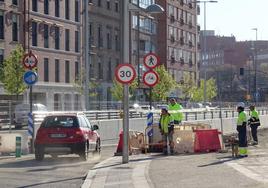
x=30, y=78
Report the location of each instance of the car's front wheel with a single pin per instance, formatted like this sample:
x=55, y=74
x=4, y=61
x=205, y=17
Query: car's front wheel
x=84, y=151
x=98, y=147
x=39, y=153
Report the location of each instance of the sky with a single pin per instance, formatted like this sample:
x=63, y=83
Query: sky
x=237, y=18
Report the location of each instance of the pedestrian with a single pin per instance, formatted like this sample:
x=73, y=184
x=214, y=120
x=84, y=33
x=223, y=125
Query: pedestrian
x=242, y=130
x=254, y=122
x=166, y=126
x=175, y=109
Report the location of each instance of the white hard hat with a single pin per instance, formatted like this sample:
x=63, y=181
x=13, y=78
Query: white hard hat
x=241, y=104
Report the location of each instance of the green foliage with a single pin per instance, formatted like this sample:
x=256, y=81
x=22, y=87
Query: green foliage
x=198, y=92
x=78, y=84
x=165, y=85
x=13, y=71
x=187, y=87
x=117, y=89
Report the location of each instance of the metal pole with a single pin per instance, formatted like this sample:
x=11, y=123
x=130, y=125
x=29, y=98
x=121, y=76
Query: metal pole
x=138, y=44
x=86, y=54
x=205, y=52
x=150, y=98
x=255, y=68
x=125, y=59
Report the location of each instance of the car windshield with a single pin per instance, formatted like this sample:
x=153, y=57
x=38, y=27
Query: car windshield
x=60, y=121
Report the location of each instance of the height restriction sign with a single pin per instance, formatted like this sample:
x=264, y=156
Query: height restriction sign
x=151, y=60
x=125, y=73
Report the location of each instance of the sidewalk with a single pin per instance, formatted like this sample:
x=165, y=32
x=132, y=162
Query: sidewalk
x=112, y=173
x=210, y=170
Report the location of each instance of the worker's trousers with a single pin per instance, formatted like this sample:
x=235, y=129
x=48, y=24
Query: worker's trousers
x=254, y=128
x=168, y=137
x=242, y=137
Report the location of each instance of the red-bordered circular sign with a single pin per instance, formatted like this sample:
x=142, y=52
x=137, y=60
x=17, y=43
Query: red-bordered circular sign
x=150, y=78
x=151, y=60
x=125, y=73
x=30, y=60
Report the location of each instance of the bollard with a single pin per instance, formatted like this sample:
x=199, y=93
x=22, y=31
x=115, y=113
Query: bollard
x=18, y=146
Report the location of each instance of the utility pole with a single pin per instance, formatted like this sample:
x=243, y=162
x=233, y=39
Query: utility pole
x=125, y=59
x=255, y=67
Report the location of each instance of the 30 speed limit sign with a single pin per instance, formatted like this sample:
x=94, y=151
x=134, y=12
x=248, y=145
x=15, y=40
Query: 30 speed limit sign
x=125, y=73
x=150, y=78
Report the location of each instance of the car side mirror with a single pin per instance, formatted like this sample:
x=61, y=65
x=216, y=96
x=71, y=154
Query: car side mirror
x=95, y=127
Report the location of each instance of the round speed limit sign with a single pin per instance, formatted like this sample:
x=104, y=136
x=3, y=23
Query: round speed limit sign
x=125, y=73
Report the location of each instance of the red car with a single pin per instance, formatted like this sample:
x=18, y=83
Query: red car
x=66, y=134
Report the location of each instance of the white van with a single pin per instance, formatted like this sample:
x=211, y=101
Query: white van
x=21, y=113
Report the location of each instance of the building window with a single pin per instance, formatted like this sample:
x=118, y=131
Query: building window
x=109, y=38
x=100, y=71
x=46, y=70
x=67, y=11
x=67, y=71
x=46, y=6
x=35, y=5
x=77, y=11
x=1, y=58
x=67, y=39
x=109, y=72
x=57, y=8
x=14, y=2
x=57, y=102
x=117, y=42
x=46, y=36
x=34, y=34
x=15, y=32
x=116, y=4
x=2, y=25
x=99, y=3
x=57, y=70
x=77, y=70
x=91, y=35
x=100, y=39
x=108, y=4
x=76, y=41
x=57, y=38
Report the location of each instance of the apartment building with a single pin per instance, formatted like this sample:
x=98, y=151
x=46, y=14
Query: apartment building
x=178, y=38
x=52, y=30
x=104, y=34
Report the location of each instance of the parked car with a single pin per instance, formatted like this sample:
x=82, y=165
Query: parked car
x=21, y=113
x=61, y=134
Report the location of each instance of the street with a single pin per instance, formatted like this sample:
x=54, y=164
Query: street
x=64, y=171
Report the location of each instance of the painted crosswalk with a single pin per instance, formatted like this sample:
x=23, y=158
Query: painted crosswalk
x=255, y=166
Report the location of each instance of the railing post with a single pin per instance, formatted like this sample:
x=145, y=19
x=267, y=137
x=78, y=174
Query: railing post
x=97, y=115
x=232, y=113
x=130, y=114
x=212, y=116
x=204, y=115
x=226, y=114
x=141, y=114
x=195, y=115
x=186, y=116
x=10, y=115
x=109, y=115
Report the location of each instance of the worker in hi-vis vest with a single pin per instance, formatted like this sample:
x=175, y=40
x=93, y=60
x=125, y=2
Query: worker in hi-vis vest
x=242, y=130
x=166, y=126
x=174, y=109
x=254, y=122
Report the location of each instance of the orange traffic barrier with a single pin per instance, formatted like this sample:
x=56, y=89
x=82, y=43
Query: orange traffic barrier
x=207, y=140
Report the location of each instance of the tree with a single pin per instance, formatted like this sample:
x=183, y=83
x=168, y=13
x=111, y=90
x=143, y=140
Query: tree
x=211, y=91
x=117, y=89
x=187, y=87
x=165, y=85
x=13, y=71
x=78, y=84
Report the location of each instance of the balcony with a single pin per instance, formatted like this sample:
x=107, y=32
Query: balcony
x=198, y=10
x=182, y=61
x=190, y=24
x=172, y=59
x=199, y=46
x=190, y=44
x=190, y=5
x=198, y=28
x=190, y=63
x=181, y=2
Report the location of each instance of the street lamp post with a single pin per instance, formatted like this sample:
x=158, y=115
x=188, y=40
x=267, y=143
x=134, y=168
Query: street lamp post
x=205, y=46
x=255, y=66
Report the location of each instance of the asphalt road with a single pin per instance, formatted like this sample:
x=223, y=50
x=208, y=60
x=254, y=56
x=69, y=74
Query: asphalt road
x=65, y=171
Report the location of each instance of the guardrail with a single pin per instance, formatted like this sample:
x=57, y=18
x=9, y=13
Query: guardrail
x=189, y=115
